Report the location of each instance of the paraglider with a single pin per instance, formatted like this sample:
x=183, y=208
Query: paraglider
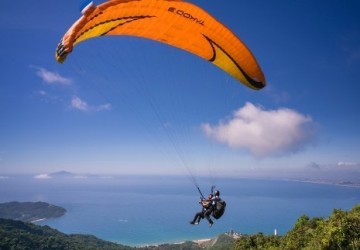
x=179, y=24
x=212, y=206
x=173, y=22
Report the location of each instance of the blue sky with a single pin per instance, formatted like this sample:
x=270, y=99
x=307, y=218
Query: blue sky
x=122, y=105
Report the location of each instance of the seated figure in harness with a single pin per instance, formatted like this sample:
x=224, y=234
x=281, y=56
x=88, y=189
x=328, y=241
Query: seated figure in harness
x=212, y=206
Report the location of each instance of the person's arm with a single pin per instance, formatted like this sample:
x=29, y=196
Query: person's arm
x=205, y=203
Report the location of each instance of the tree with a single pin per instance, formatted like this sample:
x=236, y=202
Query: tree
x=341, y=231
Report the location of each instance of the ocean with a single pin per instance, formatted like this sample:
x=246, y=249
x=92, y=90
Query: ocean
x=147, y=210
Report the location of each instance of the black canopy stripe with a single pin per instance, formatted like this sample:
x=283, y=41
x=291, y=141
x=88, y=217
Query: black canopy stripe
x=256, y=84
x=131, y=19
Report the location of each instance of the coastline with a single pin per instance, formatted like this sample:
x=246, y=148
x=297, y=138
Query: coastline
x=199, y=242
x=326, y=182
x=38, y=220
x=202, y=242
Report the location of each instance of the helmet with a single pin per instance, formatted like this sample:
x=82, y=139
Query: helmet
x=210, y=196
x=217, y=193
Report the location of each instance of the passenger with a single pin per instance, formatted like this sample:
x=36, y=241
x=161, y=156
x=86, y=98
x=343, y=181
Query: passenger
x=206, y=205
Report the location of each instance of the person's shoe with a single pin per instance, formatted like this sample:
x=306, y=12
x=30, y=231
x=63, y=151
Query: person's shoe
x=194, y=223
x=210, y=224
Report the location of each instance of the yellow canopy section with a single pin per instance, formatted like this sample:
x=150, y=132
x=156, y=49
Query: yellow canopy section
x=174, y=22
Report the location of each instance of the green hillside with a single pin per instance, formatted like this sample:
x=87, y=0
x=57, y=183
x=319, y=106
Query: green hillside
x=29, y=211
x=27, y=236
x=340, y=231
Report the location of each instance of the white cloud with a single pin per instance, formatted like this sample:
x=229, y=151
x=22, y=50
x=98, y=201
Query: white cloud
x=50, y=77
x=347, y=164
x=263, y=133
x=42, y=176
x=103, y=107
x=78, y=103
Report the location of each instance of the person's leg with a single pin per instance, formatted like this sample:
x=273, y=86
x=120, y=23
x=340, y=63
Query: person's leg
x=207, y=216
x=197, y=218
x=201, y=216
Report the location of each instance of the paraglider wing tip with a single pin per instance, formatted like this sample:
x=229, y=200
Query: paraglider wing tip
x=59, y=59
x=61, y=52
x=256, y=85
x=85, y=5
x=257, y=82
x=261, y=85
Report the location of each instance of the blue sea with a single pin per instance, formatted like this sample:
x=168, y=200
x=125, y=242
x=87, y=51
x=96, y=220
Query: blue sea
x=146, y=210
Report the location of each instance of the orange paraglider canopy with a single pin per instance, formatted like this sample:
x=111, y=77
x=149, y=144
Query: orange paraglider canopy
x=174, y=22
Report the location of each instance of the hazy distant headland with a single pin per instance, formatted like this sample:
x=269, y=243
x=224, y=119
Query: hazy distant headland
x=30, y=211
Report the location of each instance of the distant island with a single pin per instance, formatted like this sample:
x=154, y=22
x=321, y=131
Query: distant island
x=30, y=211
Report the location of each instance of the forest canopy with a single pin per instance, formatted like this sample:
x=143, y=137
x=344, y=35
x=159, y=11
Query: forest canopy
x=340, y=231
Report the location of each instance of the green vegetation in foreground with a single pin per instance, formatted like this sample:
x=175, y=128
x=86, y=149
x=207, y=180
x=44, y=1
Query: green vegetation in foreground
x=27, y=236
x=29, y=211
x=340, y=231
